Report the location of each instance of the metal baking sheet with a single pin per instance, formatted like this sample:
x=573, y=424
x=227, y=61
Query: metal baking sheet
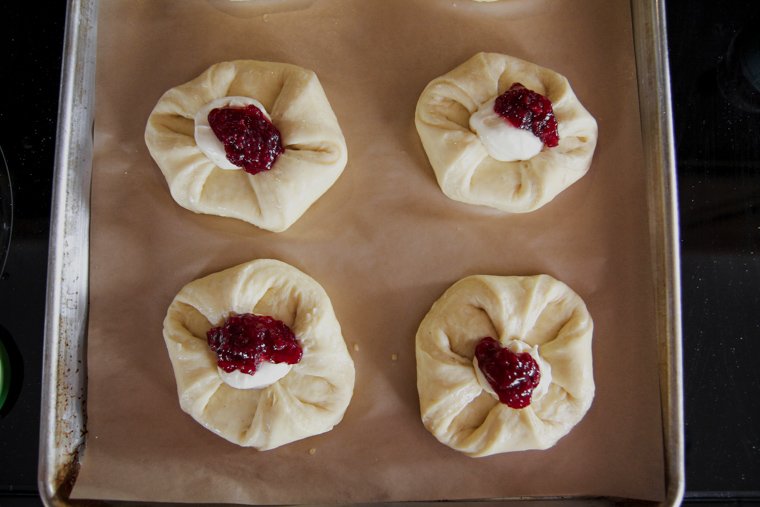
x=63, y=424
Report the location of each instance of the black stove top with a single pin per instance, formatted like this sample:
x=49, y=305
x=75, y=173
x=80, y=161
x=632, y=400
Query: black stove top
x=32, y=36
x=718, y=153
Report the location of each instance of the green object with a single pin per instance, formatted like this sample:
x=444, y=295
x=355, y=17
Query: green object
x=5, y=374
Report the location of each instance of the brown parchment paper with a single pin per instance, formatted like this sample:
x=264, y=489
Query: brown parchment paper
x=384, y=242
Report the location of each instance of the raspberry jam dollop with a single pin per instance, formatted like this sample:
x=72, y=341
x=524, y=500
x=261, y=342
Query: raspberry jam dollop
x=244, y=341
x=249, y=138
x=512, y=376
x=528, y=110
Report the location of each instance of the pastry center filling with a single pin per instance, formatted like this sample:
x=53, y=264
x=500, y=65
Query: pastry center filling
x=514, y=374
x=236, y=132
x=529, y=110
x=253, y=351
x=516, y=125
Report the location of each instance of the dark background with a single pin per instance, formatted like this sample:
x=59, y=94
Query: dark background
x=718, y=162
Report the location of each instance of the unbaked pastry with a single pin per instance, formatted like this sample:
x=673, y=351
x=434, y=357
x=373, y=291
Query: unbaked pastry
x=534, y=312
x=309, y=400
x=463, y=167
x=315, y=150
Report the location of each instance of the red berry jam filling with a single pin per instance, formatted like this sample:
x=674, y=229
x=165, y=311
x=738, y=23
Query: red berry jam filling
x=512, y=376
x=249, y=138
x=244, y=341
x=528, y=110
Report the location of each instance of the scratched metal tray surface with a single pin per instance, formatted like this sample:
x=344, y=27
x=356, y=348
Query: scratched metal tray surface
x=63, y=433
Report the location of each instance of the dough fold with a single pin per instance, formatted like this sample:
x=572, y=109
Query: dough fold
x=537, y=310
x=315, y=150
x=464, y=170
x=309, y=400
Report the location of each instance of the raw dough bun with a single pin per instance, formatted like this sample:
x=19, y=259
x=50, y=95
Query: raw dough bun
x=538, y=310
x=314, y=156
x=465, y=171
x=309, y=400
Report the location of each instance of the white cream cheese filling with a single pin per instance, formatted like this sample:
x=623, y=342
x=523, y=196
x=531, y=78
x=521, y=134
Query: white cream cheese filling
x=266, y=374
x=205, y=138
x=502, y=140
x=518, y=347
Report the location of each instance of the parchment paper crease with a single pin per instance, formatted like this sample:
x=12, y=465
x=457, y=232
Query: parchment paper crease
x=384, y=242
